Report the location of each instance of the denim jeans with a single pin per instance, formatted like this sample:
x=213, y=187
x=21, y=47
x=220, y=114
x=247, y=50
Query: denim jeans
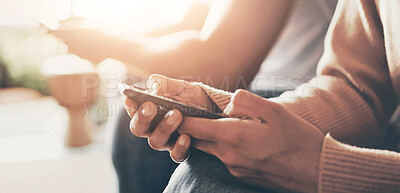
x=203, y=172
x=142, y=169
x=139, y=168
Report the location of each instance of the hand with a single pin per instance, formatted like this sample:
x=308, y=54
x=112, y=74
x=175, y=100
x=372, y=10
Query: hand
x=163, y=136
x=89, y=44
x=281, y=153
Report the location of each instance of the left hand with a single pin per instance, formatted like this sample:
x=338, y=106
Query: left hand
x=282, y=153
x=162, y=137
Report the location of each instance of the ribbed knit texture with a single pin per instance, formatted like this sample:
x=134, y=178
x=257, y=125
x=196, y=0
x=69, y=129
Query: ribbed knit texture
x=219, y=97
x=353, y=97
x=345, y=168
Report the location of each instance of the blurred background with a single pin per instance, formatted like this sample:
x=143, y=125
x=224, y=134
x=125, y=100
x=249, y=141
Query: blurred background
x=39, y=118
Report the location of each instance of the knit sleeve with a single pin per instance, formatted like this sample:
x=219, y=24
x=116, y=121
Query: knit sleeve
x=352, y=96
x=220, y=97
x=345, y=168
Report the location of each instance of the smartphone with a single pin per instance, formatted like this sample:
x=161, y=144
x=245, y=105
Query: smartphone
x=140, y=95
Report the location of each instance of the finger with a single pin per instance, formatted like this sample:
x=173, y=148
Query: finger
x=130, y=106
x=205, y=129
x=141, y=120
x=160, y=84
x=179, y=152
x=161, y=135
x=206, y=146
x=245, y=103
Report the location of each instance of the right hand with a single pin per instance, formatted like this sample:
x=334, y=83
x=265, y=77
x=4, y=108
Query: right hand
x=159, y=137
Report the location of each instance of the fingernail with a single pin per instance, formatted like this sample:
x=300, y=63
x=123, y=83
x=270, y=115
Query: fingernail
x=182, y=141
x=146, y=110
x=155, y=85
x=171, y=117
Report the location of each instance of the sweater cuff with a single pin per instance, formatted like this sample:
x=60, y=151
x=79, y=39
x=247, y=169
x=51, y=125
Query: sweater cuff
x=345, y=168
x=220, y=97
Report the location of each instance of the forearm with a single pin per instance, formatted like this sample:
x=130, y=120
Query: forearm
x=352, y=96
x=333, y=105
x=163, y=55
x=327, y=105
x=219, y=54
x=186, y=58
x=193, y=19
x=344, y=168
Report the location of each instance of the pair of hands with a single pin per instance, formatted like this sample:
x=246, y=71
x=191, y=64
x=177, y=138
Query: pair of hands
x=281, y=153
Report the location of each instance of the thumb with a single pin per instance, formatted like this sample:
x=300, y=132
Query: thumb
x=245, y=104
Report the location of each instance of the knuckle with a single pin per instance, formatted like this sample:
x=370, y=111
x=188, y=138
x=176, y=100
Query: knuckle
x=185, y=124
x=231, y=110
x=133, y=131
x=235, y=173
x=142, y=133
x=138, y=132
x=129, y=102
x=133, y=128
x=238, y=96
x=241, y=91
x=277, y=108
x=136, y=129
x=164, y=129
x=154, y=144
x=153, y=78
x=167, y=128
x=176, y=157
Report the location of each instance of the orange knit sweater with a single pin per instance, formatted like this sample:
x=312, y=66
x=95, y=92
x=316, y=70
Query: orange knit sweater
x=353, y=96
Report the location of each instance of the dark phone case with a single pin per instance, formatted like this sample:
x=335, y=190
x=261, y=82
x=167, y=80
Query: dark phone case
x=165, y=104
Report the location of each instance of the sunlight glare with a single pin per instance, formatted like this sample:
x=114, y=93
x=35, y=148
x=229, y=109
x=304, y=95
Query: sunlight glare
x=136, y=15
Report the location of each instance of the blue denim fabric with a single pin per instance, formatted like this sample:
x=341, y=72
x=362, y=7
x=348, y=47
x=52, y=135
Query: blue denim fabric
x=205, y=173
x=139, y=168
x=142, y=169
